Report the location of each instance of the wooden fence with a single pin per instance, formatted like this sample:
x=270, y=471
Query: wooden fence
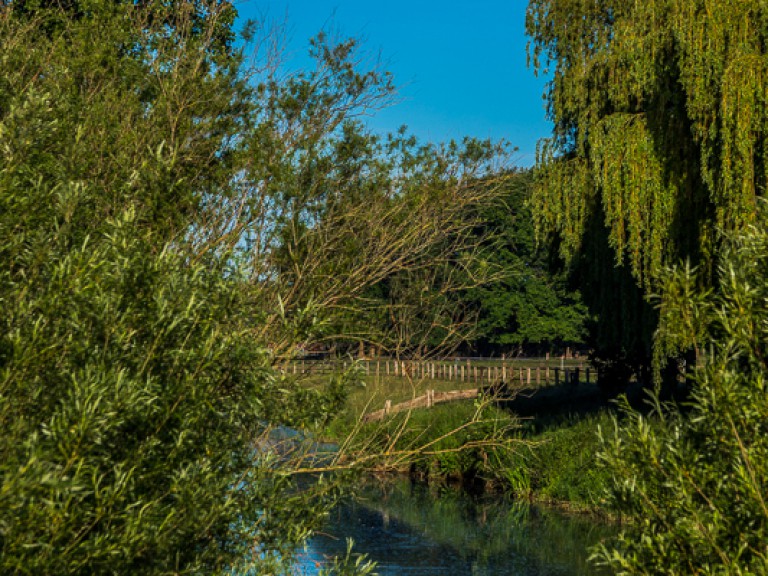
x=427, y=400
x=525, y=373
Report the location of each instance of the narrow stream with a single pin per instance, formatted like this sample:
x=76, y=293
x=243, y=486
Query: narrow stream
x=409, y=529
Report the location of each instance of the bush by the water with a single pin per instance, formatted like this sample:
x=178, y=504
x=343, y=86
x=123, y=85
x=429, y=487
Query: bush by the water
x=551, y=458
x=466, y=441
x=560, y=463
x=694, y=481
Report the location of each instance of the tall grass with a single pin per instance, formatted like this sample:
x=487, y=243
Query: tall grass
x=560, y=463
x=546, y=458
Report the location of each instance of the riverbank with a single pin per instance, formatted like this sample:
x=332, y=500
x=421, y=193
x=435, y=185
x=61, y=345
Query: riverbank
x=561, y=465
x=548, y=457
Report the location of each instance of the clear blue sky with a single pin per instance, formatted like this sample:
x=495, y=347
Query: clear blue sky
x=460, y=65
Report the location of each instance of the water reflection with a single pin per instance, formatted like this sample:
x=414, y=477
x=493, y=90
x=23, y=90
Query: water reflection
x=408, y=529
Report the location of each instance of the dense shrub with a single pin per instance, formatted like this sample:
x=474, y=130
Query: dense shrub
x=133, y=393
x=129, y=408
x=175, y=225
x=559, y=463
x=694, y=480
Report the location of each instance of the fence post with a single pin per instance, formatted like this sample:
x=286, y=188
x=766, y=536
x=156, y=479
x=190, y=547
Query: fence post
x=529, y=376
x=557, y=375
x=538, y=375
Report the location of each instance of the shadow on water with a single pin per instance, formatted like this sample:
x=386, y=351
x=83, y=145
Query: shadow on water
x=409, y=529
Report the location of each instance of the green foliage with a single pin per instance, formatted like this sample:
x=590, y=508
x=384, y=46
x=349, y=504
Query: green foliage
x=693, y=481
x=560, y=462
x=503, y=294
x=527, y=303
x=421, y=215
x=173, y=224
x=130, y=406
x=659, y=140
x=128, y=112
x=135, y=394
x=129, y=398
x=350, y=564
x=459, y=441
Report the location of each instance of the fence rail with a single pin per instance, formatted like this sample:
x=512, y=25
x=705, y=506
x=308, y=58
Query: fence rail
x=526, y=372
x=428, y=400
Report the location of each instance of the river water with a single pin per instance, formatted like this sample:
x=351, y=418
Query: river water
x=410, y=529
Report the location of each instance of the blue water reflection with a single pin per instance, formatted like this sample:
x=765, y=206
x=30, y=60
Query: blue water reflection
x=410, y=530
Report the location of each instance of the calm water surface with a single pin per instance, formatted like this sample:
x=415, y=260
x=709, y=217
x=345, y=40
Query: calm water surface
x=412, y=530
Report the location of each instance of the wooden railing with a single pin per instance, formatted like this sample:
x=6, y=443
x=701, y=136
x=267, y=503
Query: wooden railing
x=481, y=371
x=431, y=398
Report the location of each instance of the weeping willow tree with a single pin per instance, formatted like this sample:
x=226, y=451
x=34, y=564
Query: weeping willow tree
x=659, y=143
